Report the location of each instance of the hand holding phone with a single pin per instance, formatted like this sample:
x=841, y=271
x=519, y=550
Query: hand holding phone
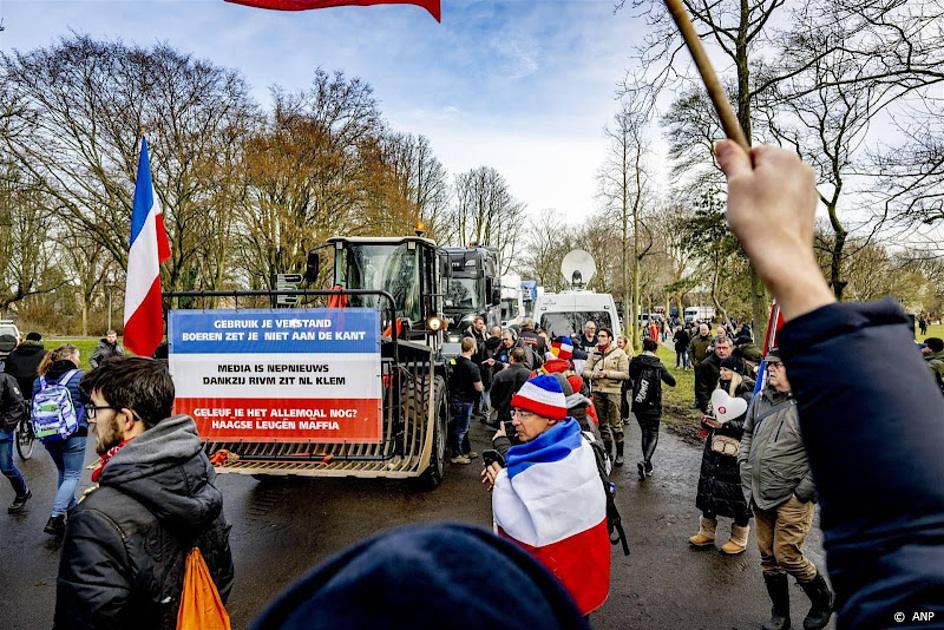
x=492, y=456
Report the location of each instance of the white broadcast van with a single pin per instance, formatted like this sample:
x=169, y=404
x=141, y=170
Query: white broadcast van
x=566, y=313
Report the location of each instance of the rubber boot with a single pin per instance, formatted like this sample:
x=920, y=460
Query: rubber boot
x=706, y=533
x=737, y=543
x=822, y=600
x=619, y=454
x=779, y=593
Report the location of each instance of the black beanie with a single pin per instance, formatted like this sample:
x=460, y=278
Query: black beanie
x=447, y=575
x=731, y=363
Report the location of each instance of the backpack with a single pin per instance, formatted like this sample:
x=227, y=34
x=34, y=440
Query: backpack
x=53, y=412
x=614, y=522
x=647, y=390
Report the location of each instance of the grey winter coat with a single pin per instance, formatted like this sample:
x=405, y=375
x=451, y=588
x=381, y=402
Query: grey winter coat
x=126, y=543
x=104, y=351
x=772, y=456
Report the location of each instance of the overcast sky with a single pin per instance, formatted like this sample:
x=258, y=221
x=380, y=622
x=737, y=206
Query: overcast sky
x=523, y=85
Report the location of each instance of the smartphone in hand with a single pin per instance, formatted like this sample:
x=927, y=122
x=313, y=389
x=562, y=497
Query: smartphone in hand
x=492, y=456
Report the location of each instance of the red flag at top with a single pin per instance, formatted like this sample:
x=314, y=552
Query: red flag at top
x=432, y=6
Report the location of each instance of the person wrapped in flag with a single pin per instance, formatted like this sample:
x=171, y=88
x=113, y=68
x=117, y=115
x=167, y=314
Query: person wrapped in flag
x=549, y=499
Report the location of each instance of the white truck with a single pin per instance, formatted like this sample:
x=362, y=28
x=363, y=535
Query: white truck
x=703, y=313
x=512, y=300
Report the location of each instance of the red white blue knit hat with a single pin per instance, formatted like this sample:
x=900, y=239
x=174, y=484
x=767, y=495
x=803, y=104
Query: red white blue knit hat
x=562, y=348
x=542, y=395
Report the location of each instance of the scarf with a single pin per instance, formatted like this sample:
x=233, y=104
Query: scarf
x=104, y=459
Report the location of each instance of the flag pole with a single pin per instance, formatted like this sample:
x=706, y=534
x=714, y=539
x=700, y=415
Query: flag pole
x=729, y=122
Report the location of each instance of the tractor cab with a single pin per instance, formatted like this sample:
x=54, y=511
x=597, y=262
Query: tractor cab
x=413, y=270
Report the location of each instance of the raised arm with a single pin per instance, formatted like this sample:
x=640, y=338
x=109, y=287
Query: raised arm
x=871, y=417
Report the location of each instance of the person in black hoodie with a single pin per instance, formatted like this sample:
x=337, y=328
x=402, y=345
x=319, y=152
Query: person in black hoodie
x=126, y=543
x=23, y=362
x=874, y=442
x=647, y=375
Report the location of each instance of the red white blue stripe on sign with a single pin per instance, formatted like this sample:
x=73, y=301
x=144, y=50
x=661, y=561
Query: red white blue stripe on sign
x=279, y=375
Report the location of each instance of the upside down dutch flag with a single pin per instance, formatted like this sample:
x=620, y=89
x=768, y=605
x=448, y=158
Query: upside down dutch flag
x=550, y=501
x=433, y=6
x=144, y=320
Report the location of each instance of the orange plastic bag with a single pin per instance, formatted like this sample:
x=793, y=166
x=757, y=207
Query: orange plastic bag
x=200, y=605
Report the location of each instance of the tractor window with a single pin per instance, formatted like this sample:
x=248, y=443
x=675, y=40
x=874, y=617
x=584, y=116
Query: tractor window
x=463, y=293
x=389, y=267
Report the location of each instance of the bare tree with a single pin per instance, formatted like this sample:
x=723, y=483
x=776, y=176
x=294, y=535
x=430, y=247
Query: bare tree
x=623, y=186
x=825, y=95
x=27, y=254
x=487, y=213
x=305, y=178
x=737, y=29
x=548, y=241
x=422, y=181
x=84, y=106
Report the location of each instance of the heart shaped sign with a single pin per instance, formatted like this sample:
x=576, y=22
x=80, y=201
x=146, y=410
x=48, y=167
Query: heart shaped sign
x=725, y=407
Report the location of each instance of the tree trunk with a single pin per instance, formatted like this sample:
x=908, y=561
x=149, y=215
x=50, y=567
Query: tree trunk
x=83, y=307
x=835, y=263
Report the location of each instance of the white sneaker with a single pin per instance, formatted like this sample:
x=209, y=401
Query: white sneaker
x=461, y=459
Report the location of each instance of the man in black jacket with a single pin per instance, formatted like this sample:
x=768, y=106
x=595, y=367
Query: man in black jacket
x=508, y=382
x=127, y=540
x=874, y=443
x=12, y=410
x=647, y=375
x=681, y=340
x=23, y=362
x=108, y=347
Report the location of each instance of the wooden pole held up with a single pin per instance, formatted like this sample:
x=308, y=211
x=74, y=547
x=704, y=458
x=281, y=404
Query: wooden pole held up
x=729, y=122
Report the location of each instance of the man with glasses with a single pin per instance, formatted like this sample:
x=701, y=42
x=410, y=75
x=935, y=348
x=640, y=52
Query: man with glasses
x=549, y=499
x=782, y=495
x=126, y=541
x=607, y=368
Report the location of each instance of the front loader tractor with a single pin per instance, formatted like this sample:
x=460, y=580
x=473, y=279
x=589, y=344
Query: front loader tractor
x=397, y=284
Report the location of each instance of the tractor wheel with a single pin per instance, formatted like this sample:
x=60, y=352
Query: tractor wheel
x=433, y=476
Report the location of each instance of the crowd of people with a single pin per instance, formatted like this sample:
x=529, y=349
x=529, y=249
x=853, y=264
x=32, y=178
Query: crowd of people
x=867, y=446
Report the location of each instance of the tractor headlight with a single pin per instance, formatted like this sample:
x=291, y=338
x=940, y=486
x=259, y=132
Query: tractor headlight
x=436, y=323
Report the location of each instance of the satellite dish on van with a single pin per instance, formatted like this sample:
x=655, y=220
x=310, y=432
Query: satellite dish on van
x=578, y=268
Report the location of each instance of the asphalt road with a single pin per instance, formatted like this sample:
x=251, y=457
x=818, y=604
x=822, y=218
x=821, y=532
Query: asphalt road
x=281, y=529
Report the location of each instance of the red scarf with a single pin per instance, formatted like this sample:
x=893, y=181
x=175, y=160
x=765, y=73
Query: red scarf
x=602, y=349
x=97, y=473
